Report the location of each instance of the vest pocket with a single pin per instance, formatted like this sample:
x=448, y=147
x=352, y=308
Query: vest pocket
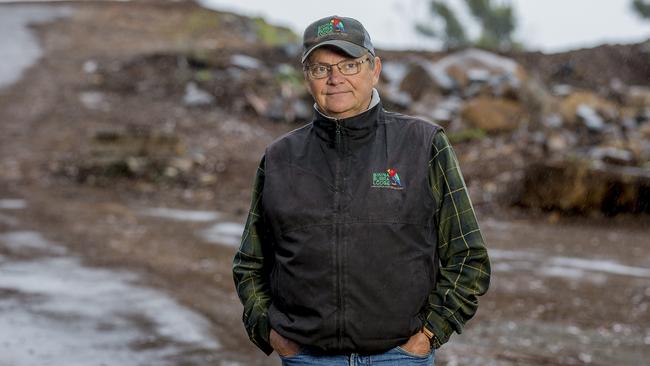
x=388, y=282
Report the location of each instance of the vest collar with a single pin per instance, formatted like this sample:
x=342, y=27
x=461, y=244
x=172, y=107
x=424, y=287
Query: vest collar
x=355, y=128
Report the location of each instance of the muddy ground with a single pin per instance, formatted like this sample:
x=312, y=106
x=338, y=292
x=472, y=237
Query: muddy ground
x=137, y=272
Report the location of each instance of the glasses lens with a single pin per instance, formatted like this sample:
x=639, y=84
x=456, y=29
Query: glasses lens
x=318, y=71
x=349, y=67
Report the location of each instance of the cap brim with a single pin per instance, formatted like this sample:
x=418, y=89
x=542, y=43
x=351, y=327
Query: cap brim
x=345, y=46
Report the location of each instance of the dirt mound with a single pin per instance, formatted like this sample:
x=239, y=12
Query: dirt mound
x=591, y=68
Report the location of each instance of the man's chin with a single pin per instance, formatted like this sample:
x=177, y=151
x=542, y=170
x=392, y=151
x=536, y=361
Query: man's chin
x=337, y=110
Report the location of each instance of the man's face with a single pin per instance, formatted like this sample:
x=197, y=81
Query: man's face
x=341, y=96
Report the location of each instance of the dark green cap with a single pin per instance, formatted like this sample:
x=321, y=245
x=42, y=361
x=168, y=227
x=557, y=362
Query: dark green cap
x=346, y=34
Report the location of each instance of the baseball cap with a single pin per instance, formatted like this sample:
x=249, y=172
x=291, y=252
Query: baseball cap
x=346, y=34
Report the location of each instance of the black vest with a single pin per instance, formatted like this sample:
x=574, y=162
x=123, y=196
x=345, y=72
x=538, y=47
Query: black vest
x=350, y=211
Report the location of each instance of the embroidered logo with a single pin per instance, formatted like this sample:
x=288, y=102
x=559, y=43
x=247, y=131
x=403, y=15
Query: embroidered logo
x=387, y=179
x=335, y=25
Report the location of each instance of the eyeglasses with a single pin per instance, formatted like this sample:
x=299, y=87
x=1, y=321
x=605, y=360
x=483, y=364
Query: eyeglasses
x=346, y=67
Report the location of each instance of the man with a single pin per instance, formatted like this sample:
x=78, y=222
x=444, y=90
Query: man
x=361, y=245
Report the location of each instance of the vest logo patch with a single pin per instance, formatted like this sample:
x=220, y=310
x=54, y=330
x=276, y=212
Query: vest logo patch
x=388, y=179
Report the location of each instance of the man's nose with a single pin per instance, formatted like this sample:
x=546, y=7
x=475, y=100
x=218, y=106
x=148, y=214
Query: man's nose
x=335, y=76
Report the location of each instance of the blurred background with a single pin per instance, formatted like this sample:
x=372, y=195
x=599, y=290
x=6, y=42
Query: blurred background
x=130, y=132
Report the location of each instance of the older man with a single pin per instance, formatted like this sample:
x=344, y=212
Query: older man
x=361, y=245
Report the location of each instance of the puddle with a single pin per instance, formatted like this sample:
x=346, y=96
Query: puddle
x=19, y=47
x=563, y=272
x=225, y=233
x=181, y=215
x=228, y=233
x=496, y=225
x=20, y=241
x=568, y=267
x=573, y=273
x=600, y=266
x=55, y=311
x=12, y=204
x=514, y=255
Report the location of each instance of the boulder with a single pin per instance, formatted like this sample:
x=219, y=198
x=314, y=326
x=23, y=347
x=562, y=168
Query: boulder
x=576, y=106
x=493, y=115
x=579, y=186
x=442, y=110
x=559, y=141
x=644, y=130
x=196, y=97
x=475, y=71
x=540, y=103
x=638, y=97
x=392, y=76
x=245, y=62
x=612, y=155
x=418, y=83
x=133, y=153
x=590, y=118
x=279, y=109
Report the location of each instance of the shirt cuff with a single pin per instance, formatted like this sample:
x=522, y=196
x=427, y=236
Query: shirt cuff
x=439, y=328
x=259, y=335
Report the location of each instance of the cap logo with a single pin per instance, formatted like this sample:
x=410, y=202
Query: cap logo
x=334, y=25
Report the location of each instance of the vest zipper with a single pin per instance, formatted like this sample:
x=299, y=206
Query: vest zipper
x=338, y=135
x=337, y=238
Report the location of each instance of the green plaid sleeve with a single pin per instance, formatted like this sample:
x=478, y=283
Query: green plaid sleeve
x=251, y=268
x=464, y=265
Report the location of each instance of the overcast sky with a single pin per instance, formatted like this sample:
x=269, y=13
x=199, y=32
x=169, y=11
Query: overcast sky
x=547, y=25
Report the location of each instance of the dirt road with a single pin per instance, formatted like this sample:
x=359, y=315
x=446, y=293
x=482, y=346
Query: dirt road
x=135, y=273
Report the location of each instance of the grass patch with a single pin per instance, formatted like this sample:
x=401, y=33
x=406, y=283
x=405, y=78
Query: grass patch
x=202, y=21
x=466, y=135
x=204, y=75
x=272, y=35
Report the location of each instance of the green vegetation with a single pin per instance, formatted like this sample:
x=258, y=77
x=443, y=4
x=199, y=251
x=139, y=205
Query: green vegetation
x=272, y=35
x=202, y=21
x=466, y=135
x=497, y=23
x=188, y=28
x=198, y=25
x=290, y=75
x=642, y=7
x=203, y=75
x=454, y=33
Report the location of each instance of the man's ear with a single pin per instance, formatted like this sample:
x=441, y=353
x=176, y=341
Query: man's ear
x=376, y=71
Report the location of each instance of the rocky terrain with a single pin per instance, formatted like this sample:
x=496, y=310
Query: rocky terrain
x=127, y=153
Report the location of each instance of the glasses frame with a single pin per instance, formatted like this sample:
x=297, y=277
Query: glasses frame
x=307, y=67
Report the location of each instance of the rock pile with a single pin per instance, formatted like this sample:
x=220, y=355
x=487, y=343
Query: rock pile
x=137, y=153
x=584, y=150
x=529, y=131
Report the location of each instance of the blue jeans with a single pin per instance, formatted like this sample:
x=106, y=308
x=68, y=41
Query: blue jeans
x=393, y=357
